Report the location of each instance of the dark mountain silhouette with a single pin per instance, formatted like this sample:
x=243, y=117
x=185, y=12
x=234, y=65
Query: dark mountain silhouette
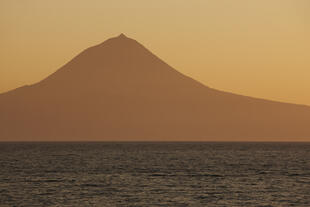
x=118, y=90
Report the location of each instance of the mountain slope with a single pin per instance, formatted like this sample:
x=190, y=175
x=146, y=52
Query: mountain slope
x=119, y=90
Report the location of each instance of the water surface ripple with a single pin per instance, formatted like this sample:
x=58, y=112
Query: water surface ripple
x=155, y=174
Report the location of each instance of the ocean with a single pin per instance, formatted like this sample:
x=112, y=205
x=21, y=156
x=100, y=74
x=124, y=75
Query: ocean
x=155, y=174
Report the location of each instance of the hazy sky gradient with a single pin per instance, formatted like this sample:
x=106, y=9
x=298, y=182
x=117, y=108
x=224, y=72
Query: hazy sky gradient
x=259, y=48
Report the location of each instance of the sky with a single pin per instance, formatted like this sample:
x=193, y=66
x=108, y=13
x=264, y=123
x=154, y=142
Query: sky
x=259, y=48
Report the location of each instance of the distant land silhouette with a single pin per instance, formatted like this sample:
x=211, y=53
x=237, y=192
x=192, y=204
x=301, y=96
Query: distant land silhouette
x=120, y=91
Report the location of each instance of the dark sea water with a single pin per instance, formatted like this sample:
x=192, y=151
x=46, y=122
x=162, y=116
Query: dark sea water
x=155, y=174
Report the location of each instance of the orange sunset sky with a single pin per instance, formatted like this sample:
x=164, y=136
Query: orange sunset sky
x=259, y=48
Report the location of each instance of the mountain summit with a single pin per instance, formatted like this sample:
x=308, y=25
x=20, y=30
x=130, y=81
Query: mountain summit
x=120, y=91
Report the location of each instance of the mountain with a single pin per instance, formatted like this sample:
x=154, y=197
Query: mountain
x=120, y=91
